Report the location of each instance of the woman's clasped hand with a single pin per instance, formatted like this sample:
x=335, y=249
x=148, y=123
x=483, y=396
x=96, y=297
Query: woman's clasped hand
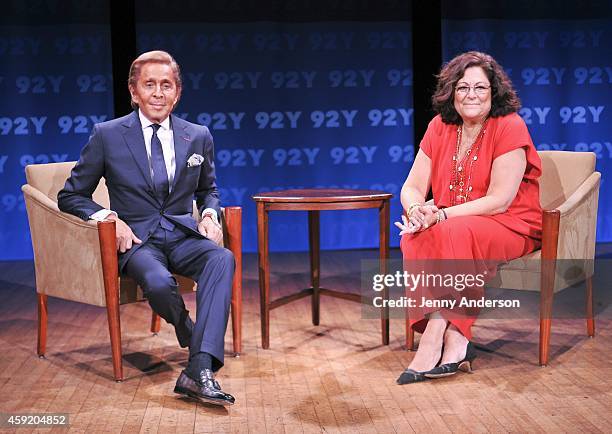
x=420, y=217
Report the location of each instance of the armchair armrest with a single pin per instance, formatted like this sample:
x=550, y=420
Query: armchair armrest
x=231, y=221
x=578, y=221
x=40, y=199
x=582, y=194
x=76, y=273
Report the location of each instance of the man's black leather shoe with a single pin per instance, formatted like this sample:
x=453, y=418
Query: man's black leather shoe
x=205, y=388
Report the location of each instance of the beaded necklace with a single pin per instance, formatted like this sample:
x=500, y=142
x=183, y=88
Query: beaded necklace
x=461, y=181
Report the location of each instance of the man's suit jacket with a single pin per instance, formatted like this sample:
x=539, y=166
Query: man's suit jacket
x=116, y=151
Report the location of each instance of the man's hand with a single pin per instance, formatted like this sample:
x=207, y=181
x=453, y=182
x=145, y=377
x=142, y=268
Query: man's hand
x=210, y=229
x=125, y=236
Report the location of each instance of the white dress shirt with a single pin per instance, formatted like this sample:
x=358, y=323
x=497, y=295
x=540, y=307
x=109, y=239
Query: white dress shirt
x=166, y=137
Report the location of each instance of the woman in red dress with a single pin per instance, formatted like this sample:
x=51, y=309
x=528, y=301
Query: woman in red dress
x=482, y=167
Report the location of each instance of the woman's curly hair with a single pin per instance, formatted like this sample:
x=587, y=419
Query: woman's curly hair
x=503, y=96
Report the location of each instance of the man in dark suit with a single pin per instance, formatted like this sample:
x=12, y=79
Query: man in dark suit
x=154, y=164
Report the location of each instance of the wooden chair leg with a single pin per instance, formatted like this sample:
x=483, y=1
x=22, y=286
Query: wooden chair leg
x=155, y=322
x=409, y=336
x=545, y=325
x=589, y=307
x=233, y=221
x=42, y=325
x=237, y=319
x=546, y=301
x=114, y=329
x=110, y=272
x=550, y=239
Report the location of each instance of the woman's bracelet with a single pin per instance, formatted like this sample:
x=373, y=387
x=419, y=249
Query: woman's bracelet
x=412, y=206
x=440, y=216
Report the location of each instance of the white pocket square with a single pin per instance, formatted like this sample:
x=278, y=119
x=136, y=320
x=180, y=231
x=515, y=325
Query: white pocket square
x=195, y=160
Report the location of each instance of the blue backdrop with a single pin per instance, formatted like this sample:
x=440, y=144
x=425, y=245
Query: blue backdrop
x=56, y=83
x=320, y=104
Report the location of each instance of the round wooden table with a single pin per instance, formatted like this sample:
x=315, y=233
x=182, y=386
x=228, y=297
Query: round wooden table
x=313, y=201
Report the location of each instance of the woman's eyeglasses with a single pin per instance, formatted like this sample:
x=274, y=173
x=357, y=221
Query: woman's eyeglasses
x=479, y=89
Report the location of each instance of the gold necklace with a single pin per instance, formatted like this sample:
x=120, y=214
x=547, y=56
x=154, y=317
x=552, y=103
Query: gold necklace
x=460, y=187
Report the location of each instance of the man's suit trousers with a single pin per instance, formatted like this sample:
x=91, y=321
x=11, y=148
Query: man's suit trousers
x=211, y=266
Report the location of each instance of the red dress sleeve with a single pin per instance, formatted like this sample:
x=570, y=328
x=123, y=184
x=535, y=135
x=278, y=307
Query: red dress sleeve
x=513, y=134
x=432, y=135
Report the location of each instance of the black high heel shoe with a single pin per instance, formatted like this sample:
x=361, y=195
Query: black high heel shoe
x=411, y=376
x=451, y=368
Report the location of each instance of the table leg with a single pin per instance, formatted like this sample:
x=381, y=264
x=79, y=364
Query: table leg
x=264, y=273
x=315, y=261
x=384, y=222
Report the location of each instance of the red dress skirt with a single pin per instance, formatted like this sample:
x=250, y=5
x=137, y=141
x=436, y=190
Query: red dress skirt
x=479, y=241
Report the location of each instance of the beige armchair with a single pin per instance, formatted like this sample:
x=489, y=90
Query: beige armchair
x=77, y=260
x=569, y=192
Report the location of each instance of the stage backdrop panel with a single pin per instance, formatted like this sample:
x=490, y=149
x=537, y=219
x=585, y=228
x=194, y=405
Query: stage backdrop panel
x=56, y=84
x=563, y=73
x=299, y=105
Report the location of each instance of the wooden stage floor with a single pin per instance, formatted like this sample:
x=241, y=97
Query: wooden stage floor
x=336, y=377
